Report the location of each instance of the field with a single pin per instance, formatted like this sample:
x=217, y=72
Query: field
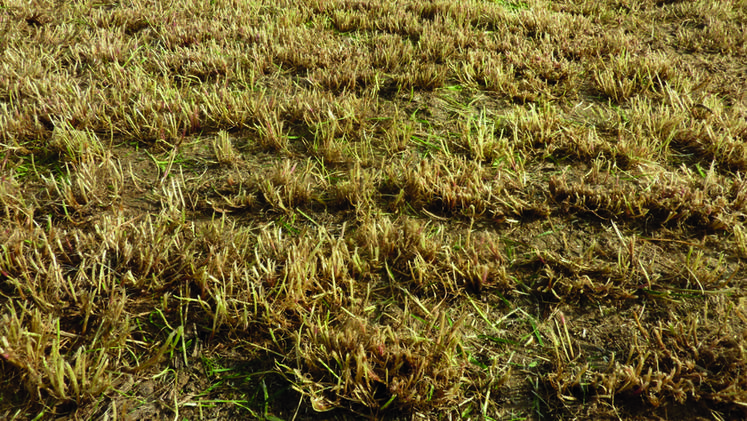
x=335, y=209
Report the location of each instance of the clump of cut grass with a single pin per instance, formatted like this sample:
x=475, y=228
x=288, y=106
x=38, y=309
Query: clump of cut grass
x=679, y=374
x=224, y=150
x=272, y=134
x=680, y=199
x=77, y=146
x=445, y=184
x=358, y=190
x=375, y=367
x=14, y=205
x=286, y=185
x=41, y=360
x=624, y=76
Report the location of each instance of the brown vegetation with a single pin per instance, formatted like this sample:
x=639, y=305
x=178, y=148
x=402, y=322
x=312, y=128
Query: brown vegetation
x=274, y=209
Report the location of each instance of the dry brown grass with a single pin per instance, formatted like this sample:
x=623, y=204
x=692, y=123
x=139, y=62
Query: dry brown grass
x=342, y=209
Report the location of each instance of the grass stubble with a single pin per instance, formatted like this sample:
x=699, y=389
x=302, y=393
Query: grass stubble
x=334, y=209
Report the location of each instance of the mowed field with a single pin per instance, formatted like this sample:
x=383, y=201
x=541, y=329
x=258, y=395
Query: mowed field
x=337, y=209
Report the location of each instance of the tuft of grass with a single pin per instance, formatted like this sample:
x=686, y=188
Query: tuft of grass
x=225, y=153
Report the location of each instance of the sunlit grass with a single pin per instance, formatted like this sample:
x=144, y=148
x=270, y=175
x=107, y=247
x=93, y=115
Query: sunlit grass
x=344, y=209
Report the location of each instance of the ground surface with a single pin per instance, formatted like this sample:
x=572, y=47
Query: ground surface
x=329, y=209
